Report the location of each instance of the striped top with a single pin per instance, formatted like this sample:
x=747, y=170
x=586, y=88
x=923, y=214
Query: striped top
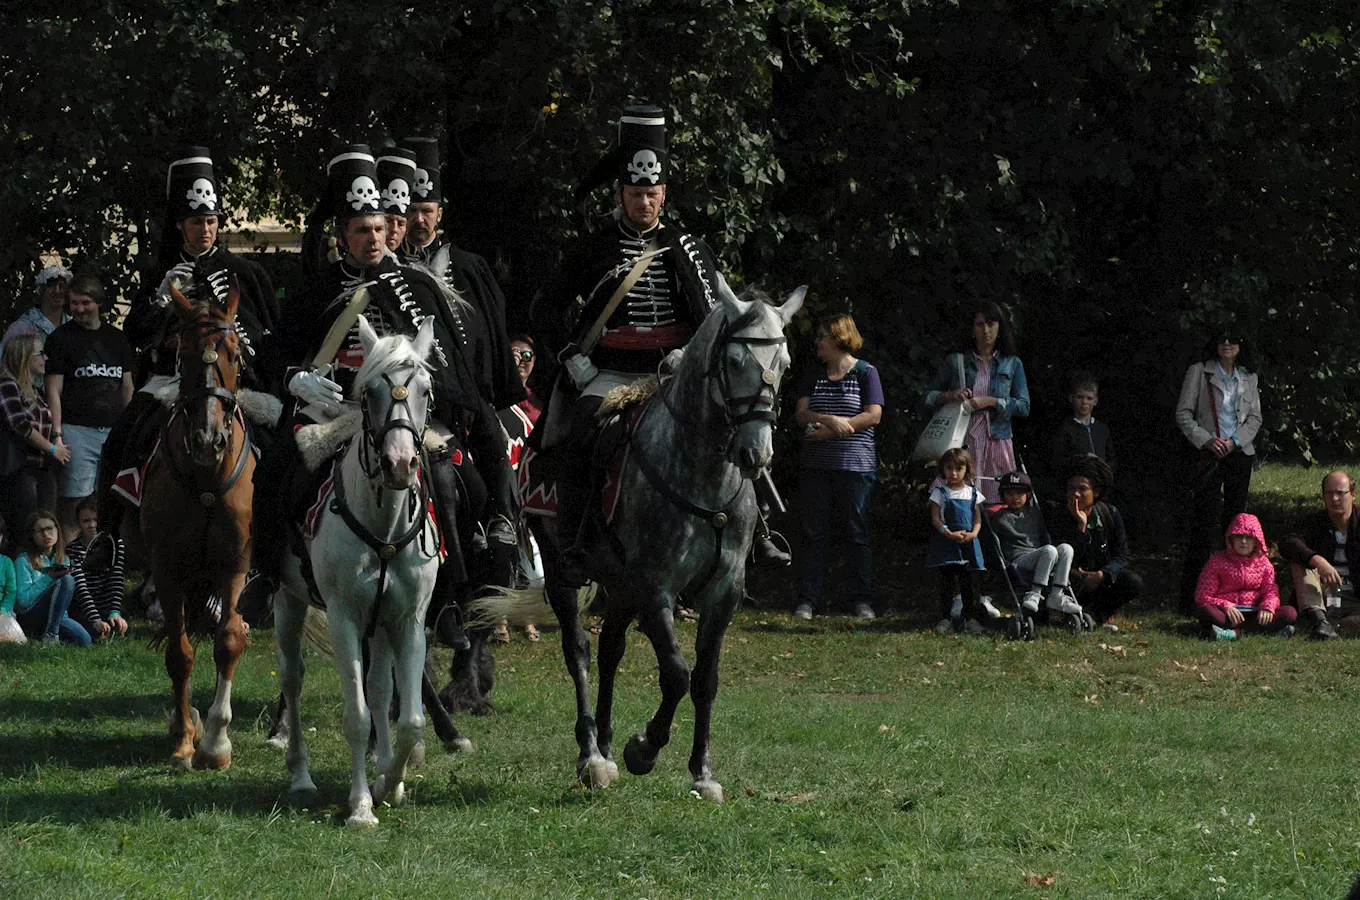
x=846, y=397
x=97, y=597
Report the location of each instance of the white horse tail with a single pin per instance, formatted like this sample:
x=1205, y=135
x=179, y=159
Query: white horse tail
x=517, y=606
x=316, y=630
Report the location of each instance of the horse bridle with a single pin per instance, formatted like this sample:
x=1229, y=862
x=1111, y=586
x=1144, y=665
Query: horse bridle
x=373, y=441
x=718, y=373
x=213, y=387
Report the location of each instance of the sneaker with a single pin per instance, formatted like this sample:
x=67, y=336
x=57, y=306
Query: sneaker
x=1222, y=634
x=1060, y=602
x=1110, y=627
x=1323, y=631
x=956, y=608
x=803, y=611
x=944, y=626
x=992, y=611
x=1286, y=631
x=864, y=611
x=1031, y=601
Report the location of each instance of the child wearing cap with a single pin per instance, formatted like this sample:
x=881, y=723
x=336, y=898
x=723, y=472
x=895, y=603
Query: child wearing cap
x=1025, y=543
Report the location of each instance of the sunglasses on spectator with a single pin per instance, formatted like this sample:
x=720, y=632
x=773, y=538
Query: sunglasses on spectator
x=1228, y=339
x=524, y=355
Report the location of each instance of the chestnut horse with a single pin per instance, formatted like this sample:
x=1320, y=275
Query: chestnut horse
x=195, y=518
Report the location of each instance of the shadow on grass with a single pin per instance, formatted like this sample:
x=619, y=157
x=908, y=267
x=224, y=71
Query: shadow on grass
x=185, y=796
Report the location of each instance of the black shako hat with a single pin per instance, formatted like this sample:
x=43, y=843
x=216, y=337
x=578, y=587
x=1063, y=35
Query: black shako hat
x=352, y=183
x=396, y=175
x=642, y=146
x=426, y=188
x=191, y=185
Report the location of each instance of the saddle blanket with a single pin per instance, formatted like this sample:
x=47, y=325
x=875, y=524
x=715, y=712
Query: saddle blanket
x=538, y=481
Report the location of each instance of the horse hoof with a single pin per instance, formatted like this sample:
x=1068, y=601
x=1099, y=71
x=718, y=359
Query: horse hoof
x=417, y=757
x=210, y=761
x=303, y=798
x=181, y=763
x=613, y=769
x=708, y=789
x=595, y=773
x=364, y=819
x=637, y=757
x=277, y=741
x=458, y=745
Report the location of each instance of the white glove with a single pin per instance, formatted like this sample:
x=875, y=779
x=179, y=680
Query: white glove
x=181, y=276
x=580, y=370
x=314, y=388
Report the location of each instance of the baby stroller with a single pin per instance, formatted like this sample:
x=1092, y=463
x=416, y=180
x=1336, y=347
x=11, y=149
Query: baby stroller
x=1021, y=626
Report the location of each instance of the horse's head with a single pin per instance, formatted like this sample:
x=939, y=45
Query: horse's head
x=749, y=359
x=209, y=368
x=393, y=388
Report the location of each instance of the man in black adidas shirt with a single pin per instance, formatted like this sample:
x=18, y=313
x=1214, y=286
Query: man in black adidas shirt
x=88, y=383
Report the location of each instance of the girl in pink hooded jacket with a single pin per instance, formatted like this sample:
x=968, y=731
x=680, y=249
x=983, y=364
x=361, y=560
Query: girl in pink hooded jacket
x=1237, y=586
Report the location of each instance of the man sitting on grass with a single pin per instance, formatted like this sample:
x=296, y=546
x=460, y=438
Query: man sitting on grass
x=1324, y=554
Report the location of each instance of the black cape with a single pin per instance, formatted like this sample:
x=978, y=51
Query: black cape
x=485, y=342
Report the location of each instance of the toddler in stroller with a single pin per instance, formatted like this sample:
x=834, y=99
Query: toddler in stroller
x=1028, y=554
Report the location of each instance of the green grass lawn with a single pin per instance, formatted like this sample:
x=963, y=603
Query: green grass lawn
x=873, y=760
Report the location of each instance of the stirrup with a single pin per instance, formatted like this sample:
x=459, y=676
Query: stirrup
x=500, y=530
x=766, y=553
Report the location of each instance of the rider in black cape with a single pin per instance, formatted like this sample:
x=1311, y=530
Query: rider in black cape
x=193, y=261
x=674, y=285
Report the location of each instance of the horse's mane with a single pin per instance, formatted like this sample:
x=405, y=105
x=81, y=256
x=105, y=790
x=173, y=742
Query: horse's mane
x=388, y=355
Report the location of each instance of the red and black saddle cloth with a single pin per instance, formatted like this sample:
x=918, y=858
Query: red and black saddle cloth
x=311, y=518
x=538, y=471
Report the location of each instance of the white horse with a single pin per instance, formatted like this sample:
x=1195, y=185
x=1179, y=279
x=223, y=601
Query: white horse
x=374, y=554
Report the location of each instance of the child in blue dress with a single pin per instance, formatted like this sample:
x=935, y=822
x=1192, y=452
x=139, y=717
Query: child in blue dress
x=956, y=519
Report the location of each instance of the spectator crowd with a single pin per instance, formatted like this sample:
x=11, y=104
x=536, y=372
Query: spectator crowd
x=67, y=374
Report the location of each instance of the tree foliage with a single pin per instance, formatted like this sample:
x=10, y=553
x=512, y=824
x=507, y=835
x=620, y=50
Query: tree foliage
x=1122, y=174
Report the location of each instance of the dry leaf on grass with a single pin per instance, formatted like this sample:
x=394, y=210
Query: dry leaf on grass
x=1140, y=643
x=1033, y=880
x=884, y=729
x=1114, y=649
x=1266, y=687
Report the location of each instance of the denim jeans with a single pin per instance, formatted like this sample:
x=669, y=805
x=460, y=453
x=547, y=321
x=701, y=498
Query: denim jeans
x=47, y=617
x=835, y=502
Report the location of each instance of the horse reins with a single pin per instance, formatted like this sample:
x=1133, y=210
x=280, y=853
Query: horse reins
x=212, y=388
x=386, y=550
x=718, y=518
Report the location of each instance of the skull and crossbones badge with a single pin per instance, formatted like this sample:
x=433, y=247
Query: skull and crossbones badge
x=398, y=194
x=645, y=165
x=362, y=192
x=423, y=183
x=202, y=194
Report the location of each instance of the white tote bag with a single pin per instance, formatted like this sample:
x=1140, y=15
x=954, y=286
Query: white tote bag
x=946, y=430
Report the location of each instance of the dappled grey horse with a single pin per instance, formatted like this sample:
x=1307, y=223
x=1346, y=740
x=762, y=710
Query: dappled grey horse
x=682, y=527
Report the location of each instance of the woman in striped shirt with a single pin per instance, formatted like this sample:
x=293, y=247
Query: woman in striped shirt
x=839, y=403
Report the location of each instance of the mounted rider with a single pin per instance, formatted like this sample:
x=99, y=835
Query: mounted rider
x=649, y=286
x=482, y=336
x=200, y=269
x=317, y=352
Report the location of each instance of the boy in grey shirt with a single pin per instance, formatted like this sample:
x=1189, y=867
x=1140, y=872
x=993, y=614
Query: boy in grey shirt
x=1025, y=543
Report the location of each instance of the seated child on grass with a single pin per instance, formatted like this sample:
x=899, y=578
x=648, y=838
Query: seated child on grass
x=956, y=519
x=98, y=602
x=1236, y=588
x=1019, y=525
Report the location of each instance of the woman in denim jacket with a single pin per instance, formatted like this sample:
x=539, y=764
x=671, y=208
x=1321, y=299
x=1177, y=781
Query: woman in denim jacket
x=994, y=382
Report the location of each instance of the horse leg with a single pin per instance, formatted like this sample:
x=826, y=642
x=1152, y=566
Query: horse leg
x=703, y=691
x=639, y=755
x=214, y=750
x=379, y=689
x=591, y=767
x=613, y=643
x=409, y=650
x=290, y=614
x=179, y=665
x=278, y=734
x=346, y=640
x=443, y=723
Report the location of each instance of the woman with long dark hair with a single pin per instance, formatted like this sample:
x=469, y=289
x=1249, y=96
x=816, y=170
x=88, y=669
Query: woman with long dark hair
x=993, y=381
x=30, y=448
x=1219, y=412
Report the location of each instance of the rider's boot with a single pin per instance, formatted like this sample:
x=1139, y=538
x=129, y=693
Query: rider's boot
x=573, y=492
x=765, y=553
x=268, y=543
